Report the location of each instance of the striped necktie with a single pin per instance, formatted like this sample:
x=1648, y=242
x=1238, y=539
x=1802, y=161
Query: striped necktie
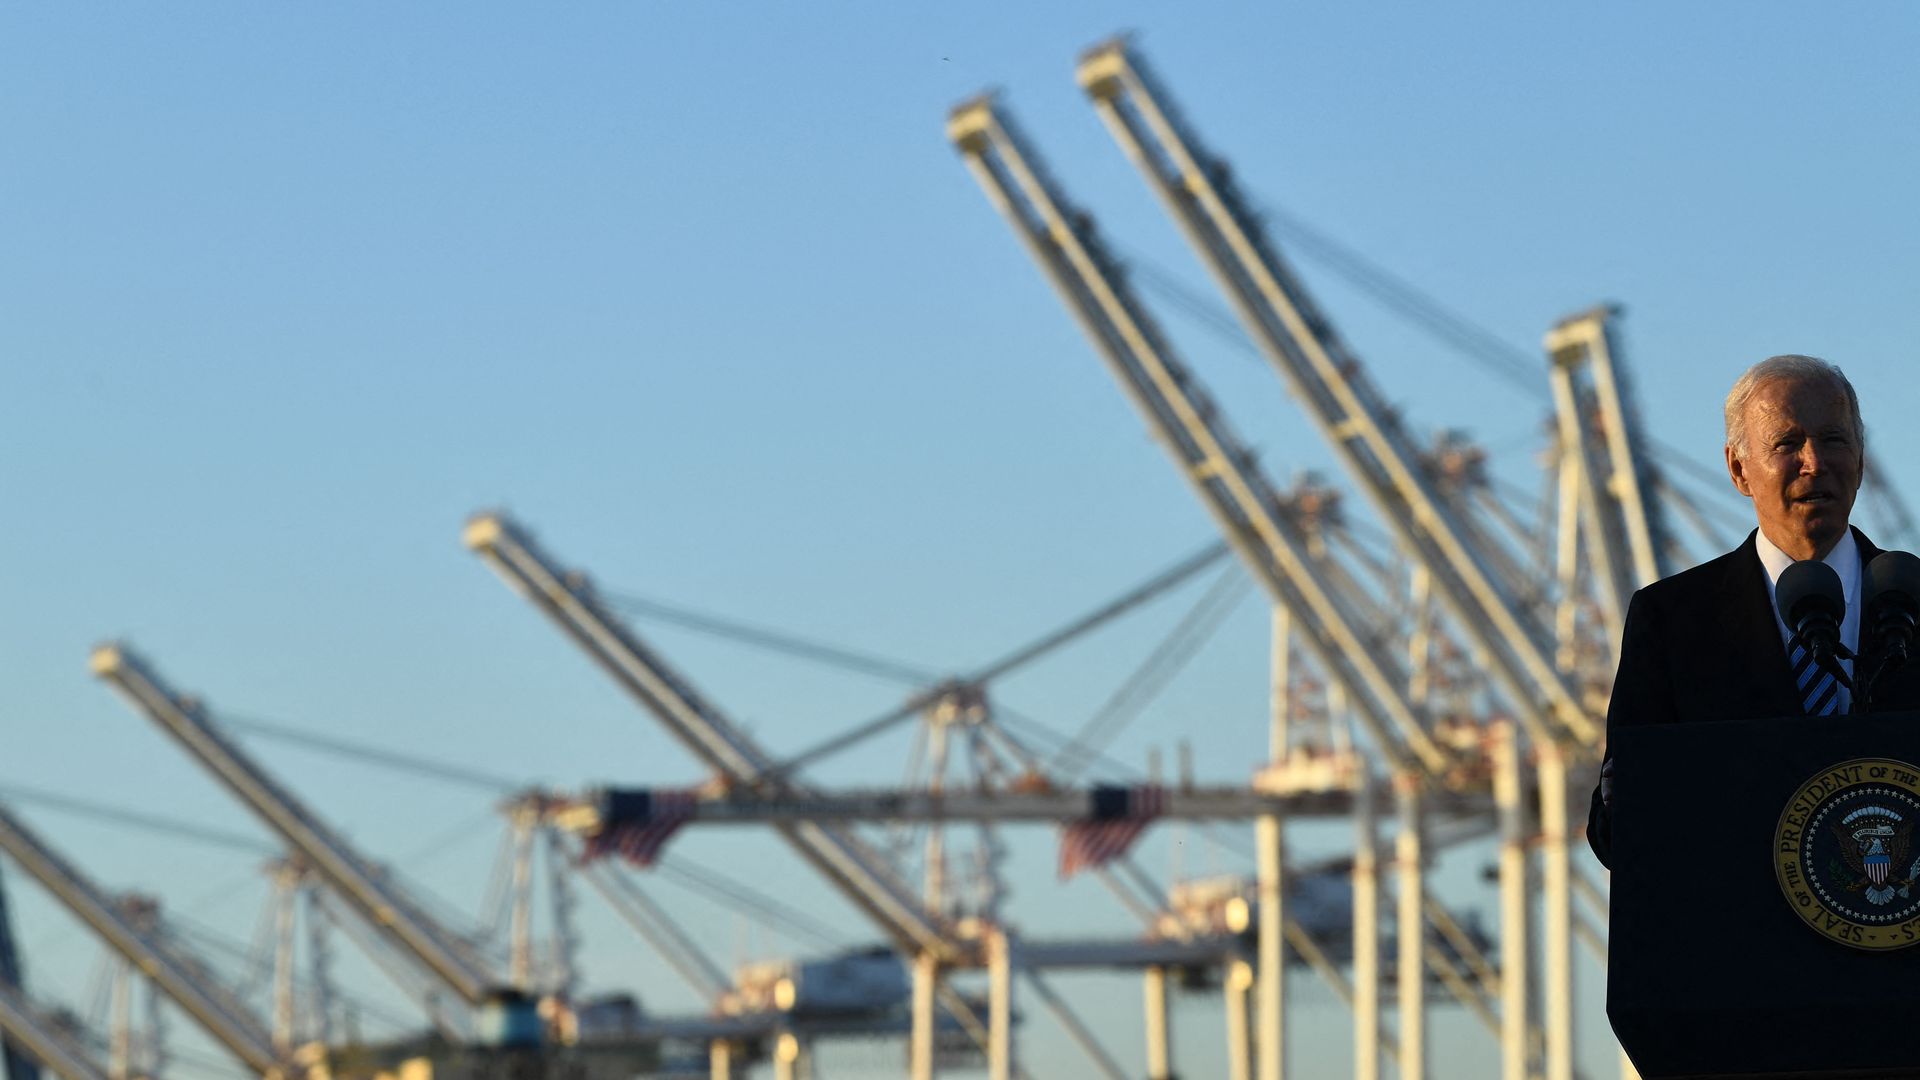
x=1819, y=690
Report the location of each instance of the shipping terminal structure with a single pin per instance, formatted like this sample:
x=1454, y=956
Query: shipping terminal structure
x=1437, y=694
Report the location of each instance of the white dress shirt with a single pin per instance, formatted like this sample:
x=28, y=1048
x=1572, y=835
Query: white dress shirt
x=1845, y=560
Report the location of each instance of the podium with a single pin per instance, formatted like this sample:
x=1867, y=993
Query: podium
x=1762, y=902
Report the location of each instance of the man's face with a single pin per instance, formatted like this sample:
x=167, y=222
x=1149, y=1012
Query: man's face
x=1800, y=464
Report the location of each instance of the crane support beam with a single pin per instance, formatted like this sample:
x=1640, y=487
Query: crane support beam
x=43, y=1041
x=1328, y=381
x=1092, y=954
x=14, y=1063
x=1267, y=533
x=178, y=975
x=1630, y=479
x=601, y=809
x=399, y=922
x=860, y=873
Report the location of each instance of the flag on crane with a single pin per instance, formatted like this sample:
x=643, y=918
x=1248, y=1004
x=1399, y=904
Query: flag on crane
x=636, y=824
x=1120, y=815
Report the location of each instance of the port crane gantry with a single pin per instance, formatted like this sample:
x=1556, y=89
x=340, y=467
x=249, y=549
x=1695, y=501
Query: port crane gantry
x=1424, y=496
x=1330, y=383
x=859, y=872
x=40, y=1039
x=1455, y=553
x=1183, y=417
x=180, y=976
x=400, y=925
x=394, y=917
x=569, y=599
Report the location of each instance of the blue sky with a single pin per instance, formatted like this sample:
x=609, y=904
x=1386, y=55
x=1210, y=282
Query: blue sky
x=701, y=294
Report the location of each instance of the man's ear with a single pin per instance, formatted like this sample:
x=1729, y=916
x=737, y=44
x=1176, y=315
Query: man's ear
x=1737, y=472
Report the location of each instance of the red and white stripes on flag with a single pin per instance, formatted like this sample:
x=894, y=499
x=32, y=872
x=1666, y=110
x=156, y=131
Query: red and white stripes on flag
x=636, y=825
x=1119, y=816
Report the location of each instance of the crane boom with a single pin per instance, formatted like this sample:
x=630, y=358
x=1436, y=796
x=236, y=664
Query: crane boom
x=1328, y=381
x=14, y=1064
x=395, y=917
x=1629, y=478
x=177, y=974
x=1266, y=533
x=45, y=1042
x=859, y=872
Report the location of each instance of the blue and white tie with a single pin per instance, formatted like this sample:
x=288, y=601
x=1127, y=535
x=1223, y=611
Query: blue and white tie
x=1819, y=690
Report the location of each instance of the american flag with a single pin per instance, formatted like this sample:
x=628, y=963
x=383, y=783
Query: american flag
x=1120, y=815
x=636, y=825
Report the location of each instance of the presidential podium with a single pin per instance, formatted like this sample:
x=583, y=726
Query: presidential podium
x=1765, y=907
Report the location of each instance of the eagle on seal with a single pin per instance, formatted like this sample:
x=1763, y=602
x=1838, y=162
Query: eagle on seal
x=1876, y=850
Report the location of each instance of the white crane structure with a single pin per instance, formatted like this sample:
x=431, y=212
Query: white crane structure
x=858, y=870
x=1224, y=474
x=181, y=977
x=766, y=794
x=395, y=918
x=45, y=1040
x=1607, y=480
x=1329, y=382
x=1550, y=664
x=932, y=941
x=400, y=925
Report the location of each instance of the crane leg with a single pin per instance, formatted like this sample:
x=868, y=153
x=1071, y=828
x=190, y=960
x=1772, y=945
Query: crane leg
x=1269, y=843
x=1239, y=980
x=1159, y=1037
x=1558, y=878
x=1513, y=904
x=1366, y=937
x=926, y=984
x=1000, y=1006
x=1410, y=967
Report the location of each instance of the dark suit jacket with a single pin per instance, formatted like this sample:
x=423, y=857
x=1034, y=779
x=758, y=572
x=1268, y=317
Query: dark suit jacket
x=1703, y=645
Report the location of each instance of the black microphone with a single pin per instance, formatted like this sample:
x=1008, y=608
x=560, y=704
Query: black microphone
x=1809, y=595
x=1893, y=602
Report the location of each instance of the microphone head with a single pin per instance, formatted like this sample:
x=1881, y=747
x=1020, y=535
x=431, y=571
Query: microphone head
x=1810, y=589
x=1892, y=583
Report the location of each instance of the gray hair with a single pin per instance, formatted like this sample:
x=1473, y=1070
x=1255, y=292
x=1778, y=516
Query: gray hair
x=1793, y=368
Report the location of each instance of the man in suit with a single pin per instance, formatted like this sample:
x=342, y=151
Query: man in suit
x=1708, y=643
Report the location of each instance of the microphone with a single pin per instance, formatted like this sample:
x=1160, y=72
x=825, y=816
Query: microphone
x=1809, y=595
x=1893, y=603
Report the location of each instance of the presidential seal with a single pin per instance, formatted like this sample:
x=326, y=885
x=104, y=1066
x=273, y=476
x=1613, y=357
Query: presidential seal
x=1845, y=856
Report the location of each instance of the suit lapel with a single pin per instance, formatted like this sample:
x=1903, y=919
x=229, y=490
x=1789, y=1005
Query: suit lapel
x=1869, y=641
x=1752, y=631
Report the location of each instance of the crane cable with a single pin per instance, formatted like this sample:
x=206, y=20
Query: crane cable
x=1167, y=659
x=1506, y=361
x=713, y=883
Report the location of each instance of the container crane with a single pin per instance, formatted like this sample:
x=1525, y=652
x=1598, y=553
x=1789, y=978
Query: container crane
x=1062, y=240
x=570, y=601
x=1263, y=530
x=859, y=872
x=1624, y=526
x=178, y=975
x=1329, y=382
x=398, y=922
x=1455, y=553
x=395, y=918
x=39, y=1039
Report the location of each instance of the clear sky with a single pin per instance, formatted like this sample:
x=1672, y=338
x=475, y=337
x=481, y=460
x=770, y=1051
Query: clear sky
x=701, y=294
